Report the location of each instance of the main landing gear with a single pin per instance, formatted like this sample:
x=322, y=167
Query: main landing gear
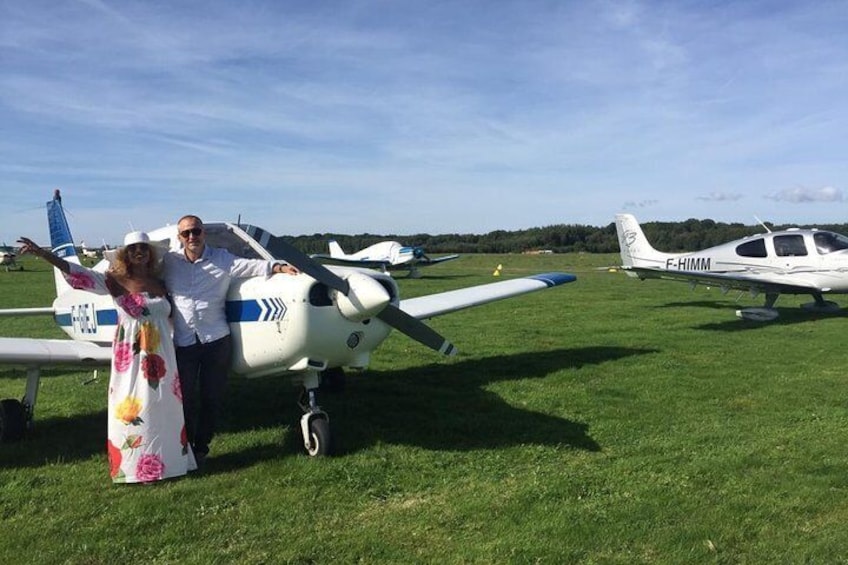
x=13, y=420
x=16, y=416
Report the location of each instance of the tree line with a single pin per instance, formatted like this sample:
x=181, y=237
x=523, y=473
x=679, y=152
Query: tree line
x=689, y=235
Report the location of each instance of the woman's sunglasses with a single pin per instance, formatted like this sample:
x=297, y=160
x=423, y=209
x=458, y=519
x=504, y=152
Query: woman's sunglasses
x=135, y=247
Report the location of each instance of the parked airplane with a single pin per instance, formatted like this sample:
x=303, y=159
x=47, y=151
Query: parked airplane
x=793, y=261
x=305, y=325
x=385, y=255
x=88, y=253
x=7, y=259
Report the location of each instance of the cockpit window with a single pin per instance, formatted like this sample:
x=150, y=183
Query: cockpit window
x=828, y=242
x=790, y=245
x=219, y=236
x=754, y=248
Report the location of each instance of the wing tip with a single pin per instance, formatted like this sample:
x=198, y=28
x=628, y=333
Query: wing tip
x=554, y=279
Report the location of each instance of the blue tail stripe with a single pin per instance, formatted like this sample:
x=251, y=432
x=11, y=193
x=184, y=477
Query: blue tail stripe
x=103, y=317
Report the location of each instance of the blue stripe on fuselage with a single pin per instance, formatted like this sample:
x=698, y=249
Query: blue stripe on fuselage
x=554, y=279
x=243, y=311
x=237, y=311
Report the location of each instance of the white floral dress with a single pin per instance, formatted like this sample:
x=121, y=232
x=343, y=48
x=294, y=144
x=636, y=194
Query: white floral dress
x=146, y=430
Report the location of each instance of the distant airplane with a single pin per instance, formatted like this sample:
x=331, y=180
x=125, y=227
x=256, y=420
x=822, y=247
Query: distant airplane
x=308, y=326
x=88, y=253
x=793, y=261
x=385, y=255
x=7, y=258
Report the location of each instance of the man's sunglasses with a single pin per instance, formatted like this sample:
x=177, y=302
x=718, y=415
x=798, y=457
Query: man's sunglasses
x=193, y=231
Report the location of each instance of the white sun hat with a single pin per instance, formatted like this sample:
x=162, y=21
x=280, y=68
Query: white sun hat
x=136, y=237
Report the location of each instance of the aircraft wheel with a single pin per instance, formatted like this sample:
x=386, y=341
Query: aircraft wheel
x=319, y=438
x=13, y=420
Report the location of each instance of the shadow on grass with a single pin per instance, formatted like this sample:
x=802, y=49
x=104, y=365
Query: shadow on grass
x=437, y=407
x=432, y=276
x=732, y=323
x=59, y=440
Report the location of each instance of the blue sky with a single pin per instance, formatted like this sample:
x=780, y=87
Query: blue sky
x=420, y=116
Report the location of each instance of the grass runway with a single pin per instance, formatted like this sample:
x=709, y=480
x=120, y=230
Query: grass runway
x=609, y=420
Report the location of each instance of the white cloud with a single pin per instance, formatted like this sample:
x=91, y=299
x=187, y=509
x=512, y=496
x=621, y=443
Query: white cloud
x=801, y=194
x=720, y=197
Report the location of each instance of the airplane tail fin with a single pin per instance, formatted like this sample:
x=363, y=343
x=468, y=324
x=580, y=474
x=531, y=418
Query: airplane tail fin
x=336, y=249
x=61, y=241
x=636, y=251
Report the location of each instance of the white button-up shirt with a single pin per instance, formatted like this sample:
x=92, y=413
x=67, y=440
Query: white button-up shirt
x=199, y=291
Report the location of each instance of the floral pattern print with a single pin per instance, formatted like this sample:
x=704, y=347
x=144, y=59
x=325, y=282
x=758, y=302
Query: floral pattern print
x=128, y=410
x=146, y=429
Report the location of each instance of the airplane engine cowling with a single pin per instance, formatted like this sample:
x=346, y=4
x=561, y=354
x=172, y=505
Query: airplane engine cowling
x=366, y=299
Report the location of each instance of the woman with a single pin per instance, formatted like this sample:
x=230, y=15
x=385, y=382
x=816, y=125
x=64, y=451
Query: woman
x=146, y=428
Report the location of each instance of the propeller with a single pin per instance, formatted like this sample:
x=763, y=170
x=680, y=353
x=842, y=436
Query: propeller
x=390, y=314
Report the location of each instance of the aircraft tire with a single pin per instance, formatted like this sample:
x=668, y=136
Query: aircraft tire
x=12, y=420
x=319, y=438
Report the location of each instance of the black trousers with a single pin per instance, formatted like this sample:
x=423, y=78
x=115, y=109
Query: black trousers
x=203, y=369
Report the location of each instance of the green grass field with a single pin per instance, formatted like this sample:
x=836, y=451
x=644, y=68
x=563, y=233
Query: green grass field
x=606, y=421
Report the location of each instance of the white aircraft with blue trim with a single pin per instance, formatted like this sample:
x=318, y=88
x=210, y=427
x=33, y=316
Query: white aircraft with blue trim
x=309, y=326
x=88, y=253
x=793, y=261
x=385, y=255
x=7, y=258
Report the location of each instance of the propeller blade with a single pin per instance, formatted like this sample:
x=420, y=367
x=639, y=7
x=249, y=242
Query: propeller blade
x=392, y=315
x=306, y=264
x=416, y=329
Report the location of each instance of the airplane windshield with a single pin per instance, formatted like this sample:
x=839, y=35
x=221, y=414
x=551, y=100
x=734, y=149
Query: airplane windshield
x=220, y=236
x=828, y=242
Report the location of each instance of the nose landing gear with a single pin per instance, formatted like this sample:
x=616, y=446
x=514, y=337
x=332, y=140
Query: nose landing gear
x=315, y=423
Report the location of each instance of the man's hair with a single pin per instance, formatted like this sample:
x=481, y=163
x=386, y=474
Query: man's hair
x=190, y=217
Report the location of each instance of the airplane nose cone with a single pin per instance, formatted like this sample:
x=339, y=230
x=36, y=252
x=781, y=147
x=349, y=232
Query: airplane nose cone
x=366, y=298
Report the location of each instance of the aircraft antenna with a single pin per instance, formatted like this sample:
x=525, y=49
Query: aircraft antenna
x=759, y=221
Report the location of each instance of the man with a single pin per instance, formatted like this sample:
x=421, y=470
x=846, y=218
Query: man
x=198, y=278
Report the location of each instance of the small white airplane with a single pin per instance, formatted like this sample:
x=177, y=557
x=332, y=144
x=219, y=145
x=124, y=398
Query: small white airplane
x=88, y=253
x=310, y=325
x=8, y=259
x=793, y=261
x=385, y=255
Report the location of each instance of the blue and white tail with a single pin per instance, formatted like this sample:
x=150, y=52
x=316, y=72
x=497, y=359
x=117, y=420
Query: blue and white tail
x=635, y=249
x=61, y=241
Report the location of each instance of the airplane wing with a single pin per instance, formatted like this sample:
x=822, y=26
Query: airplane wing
x=424, y=307
x=437, y=260
x=377, y=263
x=37, y=352
x=737, y=281
x=366, y=263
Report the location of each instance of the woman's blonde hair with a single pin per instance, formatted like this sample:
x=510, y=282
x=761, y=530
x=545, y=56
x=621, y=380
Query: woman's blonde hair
x=122, y=267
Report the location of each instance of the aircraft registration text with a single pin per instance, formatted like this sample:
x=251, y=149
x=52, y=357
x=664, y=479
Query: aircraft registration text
x=688, y=264
x=84, y=318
